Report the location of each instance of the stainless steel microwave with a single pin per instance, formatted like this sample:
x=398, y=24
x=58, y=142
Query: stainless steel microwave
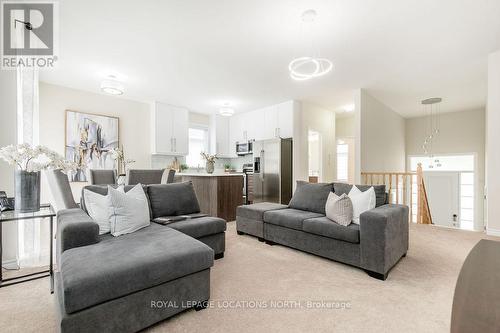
x=244, y=148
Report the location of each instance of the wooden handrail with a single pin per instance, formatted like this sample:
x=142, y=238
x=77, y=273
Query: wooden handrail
x=398, y=184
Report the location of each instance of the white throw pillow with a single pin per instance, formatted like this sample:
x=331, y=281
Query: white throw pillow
x=361, y=201
x=339, y=209
x=128, y=212
x=97, y=206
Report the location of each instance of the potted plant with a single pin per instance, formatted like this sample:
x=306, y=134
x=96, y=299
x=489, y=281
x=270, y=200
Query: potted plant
x=183, y=167
x=29, y=162
x=227, y=167
x=210, y=162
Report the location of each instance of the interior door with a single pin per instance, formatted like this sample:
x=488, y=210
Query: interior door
x=443, y=196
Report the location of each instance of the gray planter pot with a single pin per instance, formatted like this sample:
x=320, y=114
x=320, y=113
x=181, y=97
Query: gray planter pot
x=27, y=191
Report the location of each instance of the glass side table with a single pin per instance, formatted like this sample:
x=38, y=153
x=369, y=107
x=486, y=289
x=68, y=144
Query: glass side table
x=46, y=211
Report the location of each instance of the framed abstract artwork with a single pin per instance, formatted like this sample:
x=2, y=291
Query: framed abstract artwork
x=90, y=138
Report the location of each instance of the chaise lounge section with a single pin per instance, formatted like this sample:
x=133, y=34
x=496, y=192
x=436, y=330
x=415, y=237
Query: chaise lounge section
x=375, y=245
x=114, y=284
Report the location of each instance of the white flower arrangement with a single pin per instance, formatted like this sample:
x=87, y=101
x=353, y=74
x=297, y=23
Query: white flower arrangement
x=35, y=159
x=118, y=155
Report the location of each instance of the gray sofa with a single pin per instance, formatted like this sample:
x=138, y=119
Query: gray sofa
x=127, y=283
x=375, y=245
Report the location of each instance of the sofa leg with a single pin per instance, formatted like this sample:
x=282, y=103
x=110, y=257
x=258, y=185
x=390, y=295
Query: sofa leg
x=219, y=256
x=404, y=255
x=201, y=305
x=261, y=239
x=268, y=242
x=240, y=232
x=376, y=275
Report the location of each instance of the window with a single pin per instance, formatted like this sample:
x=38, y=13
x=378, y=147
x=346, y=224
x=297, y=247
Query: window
x=198, y=142
x=467, y=200
x=342, y=161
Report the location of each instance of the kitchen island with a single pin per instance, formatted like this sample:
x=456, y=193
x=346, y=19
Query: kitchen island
x=218, y=194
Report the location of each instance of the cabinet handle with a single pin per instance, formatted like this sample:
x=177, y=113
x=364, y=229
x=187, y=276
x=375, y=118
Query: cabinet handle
x=175, y=144
x=171, y=144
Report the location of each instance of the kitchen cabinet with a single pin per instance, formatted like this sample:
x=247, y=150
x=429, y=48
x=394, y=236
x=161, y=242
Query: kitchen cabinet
x=271, y=122
x=219, y=136
x=170, y=126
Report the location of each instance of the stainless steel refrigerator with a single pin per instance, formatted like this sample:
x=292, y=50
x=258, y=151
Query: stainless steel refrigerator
x=272, y=174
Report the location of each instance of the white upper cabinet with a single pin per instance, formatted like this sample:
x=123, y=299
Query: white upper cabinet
x=220, y=142
x=171, y=127
x=284, y=119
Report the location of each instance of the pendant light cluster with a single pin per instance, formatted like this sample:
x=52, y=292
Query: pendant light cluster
x=311, y=65
x=431, y=107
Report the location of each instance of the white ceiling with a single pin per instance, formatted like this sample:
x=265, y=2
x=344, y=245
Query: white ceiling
x=200, y=54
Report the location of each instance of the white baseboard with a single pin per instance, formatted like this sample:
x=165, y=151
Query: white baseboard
x=493, y=232
x=10, y=264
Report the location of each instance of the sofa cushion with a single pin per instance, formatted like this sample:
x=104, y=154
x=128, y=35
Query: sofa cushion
x=322, y=226
x=256, y=211
x=173, y=199
x=118, y=266
x=341, y=188
x=200, y=227
x=311, y=197
x=289, y=217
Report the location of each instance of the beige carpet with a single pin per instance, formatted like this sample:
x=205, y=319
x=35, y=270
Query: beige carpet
x=417, y=296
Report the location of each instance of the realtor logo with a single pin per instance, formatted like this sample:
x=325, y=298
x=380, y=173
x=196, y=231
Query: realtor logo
x=28, y=34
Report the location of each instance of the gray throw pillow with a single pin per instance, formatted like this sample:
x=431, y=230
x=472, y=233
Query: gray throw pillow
x=339, y=209
x=311, y=196
x=173, y=199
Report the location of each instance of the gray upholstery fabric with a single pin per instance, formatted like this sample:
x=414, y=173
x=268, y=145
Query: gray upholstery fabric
x=217, y=242
x=145, y=177
x=250, y=226
x=322, y=246
x=383, y=237
x=290, y=218
x=324, y=227
x=75, y=229
x=341, y=188
x=311, y=197
x=199, y=227
x=102, y=177
x=256, y=211
x=173, y=199
x=134, y=312
x=118, y=266
x=60, y=189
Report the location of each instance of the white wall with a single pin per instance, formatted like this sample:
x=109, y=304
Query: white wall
x=459, y=133
x=493, y=145
x=382, y=136
x=8, y=136
x=316, y=118
x=345, y=126
x=134, y=130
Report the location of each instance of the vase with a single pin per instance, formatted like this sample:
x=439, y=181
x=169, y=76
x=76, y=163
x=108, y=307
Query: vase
x=27, y=191
x=209, y=167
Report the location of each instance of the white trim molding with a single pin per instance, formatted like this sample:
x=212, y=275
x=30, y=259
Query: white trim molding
x=493, y=232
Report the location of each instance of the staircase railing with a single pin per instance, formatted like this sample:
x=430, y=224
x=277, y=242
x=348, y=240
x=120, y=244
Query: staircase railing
x=407, y=188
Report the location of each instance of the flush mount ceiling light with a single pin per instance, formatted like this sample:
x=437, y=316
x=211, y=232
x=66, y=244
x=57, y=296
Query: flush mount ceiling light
x=226, y=111
x=112, y=86
x=313, y=65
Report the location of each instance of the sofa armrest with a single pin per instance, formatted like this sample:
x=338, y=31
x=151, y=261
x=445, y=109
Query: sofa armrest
x=383, y=235
x=74, y=229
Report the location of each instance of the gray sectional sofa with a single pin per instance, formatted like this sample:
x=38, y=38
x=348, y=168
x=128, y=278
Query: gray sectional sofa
x=130, y=282
x=375, y=245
